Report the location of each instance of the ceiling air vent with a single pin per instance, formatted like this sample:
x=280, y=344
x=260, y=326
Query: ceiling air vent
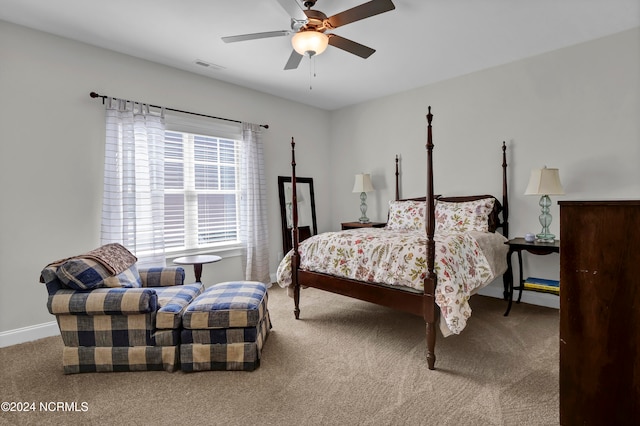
x=209, y=65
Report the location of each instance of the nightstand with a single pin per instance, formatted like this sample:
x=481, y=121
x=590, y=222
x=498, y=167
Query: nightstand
x=354, y=225
x=518, y=245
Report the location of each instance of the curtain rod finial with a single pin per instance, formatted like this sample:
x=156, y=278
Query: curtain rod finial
x=96, y=95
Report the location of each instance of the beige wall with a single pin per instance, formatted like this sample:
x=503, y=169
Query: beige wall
x=52, y=148
x=576, y=109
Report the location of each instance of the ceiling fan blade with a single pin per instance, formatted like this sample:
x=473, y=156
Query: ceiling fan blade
x=294, y=61
x=293, y=8
x=365, y=10
x=350, y=46
x=254, y=36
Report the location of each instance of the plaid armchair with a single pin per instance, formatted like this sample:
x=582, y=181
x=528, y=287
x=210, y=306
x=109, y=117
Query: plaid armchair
x=118, y=325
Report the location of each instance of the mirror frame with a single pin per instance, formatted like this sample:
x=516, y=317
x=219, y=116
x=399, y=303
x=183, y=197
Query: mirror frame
x=286, y=231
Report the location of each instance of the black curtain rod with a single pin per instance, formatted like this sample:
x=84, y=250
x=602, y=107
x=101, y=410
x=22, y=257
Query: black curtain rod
x=95, y=95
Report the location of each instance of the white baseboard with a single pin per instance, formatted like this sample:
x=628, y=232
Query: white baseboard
x=27, y=334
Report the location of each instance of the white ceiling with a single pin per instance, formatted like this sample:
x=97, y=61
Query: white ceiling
x=418, y=43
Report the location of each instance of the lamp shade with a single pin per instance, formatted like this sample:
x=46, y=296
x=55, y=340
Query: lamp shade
x=544, y=182
x=310, y=42
x=363, y=183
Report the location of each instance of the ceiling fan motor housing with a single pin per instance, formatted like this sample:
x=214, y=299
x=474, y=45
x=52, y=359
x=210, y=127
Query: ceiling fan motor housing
x=317, y=21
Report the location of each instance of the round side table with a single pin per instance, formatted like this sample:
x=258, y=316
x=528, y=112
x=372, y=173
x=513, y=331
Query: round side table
x=197, y=261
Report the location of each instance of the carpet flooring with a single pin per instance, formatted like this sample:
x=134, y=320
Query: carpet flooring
x=345, y=362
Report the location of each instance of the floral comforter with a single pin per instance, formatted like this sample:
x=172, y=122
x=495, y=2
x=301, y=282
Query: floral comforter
x=399, y=258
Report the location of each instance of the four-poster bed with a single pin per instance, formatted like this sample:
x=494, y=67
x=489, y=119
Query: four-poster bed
x=426, y=298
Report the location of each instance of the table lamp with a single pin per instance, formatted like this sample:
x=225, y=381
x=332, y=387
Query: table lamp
x=544, y=182
x=363, y=185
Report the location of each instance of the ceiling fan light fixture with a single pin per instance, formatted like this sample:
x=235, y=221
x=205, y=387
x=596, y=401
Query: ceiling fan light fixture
x=310, y=42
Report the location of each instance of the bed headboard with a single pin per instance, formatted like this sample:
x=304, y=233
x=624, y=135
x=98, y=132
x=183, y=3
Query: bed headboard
x=499, y=207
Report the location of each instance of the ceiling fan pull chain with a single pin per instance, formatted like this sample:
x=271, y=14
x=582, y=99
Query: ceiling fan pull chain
x=310, y=86
x=314, y=68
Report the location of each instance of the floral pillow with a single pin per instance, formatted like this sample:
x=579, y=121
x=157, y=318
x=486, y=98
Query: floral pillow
x=463, y=216
x=407, y=215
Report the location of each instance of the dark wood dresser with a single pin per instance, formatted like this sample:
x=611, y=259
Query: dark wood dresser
x=599, y=313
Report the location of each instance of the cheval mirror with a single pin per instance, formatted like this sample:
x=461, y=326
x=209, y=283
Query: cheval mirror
x=307, y=225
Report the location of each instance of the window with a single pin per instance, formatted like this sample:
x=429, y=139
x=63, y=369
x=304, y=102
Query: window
x=202, y=191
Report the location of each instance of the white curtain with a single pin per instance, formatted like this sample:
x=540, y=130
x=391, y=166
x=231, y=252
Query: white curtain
x=253, y=207
x=133, y=197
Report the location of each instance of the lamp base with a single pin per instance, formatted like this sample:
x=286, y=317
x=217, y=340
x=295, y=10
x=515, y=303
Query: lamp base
x=545, y=238
x=363, y=208
x=545, y=220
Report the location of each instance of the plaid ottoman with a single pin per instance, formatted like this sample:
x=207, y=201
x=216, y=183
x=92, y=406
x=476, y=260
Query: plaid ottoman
x=225, y=327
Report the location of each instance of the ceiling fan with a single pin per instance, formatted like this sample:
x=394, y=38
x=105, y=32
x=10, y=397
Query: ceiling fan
x=310, y=26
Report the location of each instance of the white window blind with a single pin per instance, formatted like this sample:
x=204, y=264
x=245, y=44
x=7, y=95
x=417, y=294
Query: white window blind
x=202, y=190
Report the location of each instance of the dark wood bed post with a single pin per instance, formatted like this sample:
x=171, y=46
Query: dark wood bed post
x=430, y=279
x=397, y=178
x=505, y=193
x=295, y=259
